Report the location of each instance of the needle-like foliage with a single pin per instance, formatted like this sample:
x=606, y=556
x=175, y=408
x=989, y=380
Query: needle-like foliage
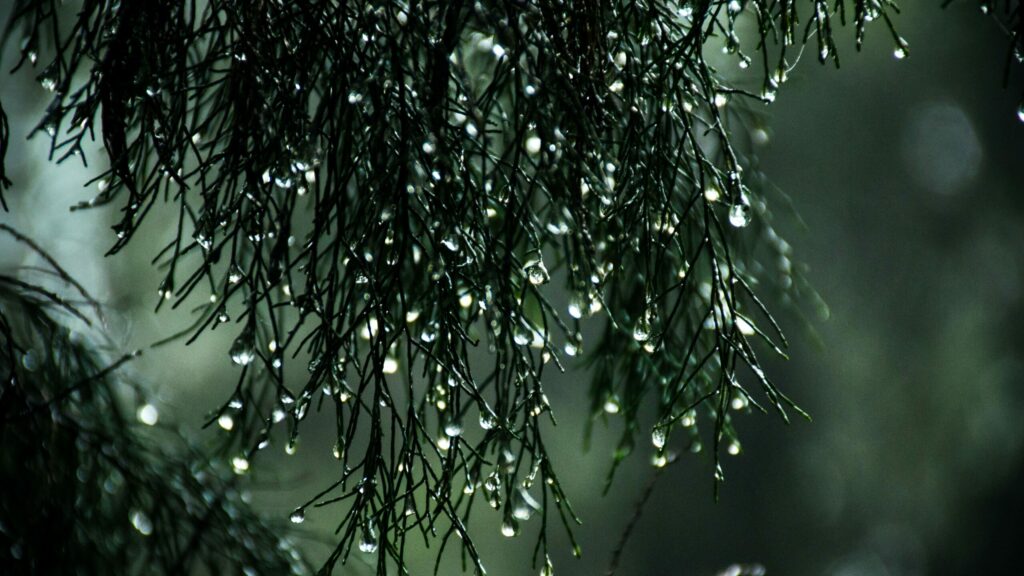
x=86, y=491
x=390, y=192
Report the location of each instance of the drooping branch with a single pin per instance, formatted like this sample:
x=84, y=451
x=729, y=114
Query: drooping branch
x=390, y=192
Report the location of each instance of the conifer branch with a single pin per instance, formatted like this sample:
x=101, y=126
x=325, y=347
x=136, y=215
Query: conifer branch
x=382, y=190
x=86, y=489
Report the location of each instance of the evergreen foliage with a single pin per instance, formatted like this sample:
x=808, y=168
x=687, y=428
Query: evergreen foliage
x=85, y=489
x=380, y=191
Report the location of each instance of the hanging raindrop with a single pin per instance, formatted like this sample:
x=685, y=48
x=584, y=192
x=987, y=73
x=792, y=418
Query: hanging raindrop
x=226, y=422
x=240, y=465
x=487, y=421
x=522, y=335
x=243, y=351
x=739, y=215
x=453, y=428
x=548, y=569
x=642, y=330
x=148, y=414
x=901, y=50
x=658, y=437
x=368, y=543
x=533, y=145
x=509, y=528
x=523, y=505
x=611, y=405
x=578, y=305
x=537, y=273
x=141, y=522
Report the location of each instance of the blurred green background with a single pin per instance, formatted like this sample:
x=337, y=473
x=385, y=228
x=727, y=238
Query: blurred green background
x=908, y=177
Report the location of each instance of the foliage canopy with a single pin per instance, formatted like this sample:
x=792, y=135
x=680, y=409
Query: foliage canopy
x=382, y=191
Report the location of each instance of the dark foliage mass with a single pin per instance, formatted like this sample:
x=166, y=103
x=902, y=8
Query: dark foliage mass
x=85, y=489
x=388, y=193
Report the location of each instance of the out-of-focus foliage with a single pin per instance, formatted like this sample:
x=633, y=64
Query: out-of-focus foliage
x=86, y=489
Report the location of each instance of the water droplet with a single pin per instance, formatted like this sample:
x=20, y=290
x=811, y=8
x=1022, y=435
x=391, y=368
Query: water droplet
x=571, y=349
x=30, y=360
x=523, y=505
x=1020, y=112
x=901, y=50
x=537, y=273
x=487, y=421
x=739, y=215
x=688, y=419
x=240, y=464
x=298, y=516
x=429, y=333
x=453, y=428
x=451, y=242
x=734, y=448
x=235, y=274
x=284, y=181
x=509, y=528
x=744, y=327
x=578, y=305
x=642, y=329
x=611, y=405
x=712, y=193
x=141, y=522
x=48, y=83
x=368, y=543
x=658, y=437
x=226, y=422
x=390, y=365
x=522, y=335
x=291, y=447
x=148, y=414
x=533, y=145
x=548, y=569
x=492, y=482
x=738, y=403
x=243, y=351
